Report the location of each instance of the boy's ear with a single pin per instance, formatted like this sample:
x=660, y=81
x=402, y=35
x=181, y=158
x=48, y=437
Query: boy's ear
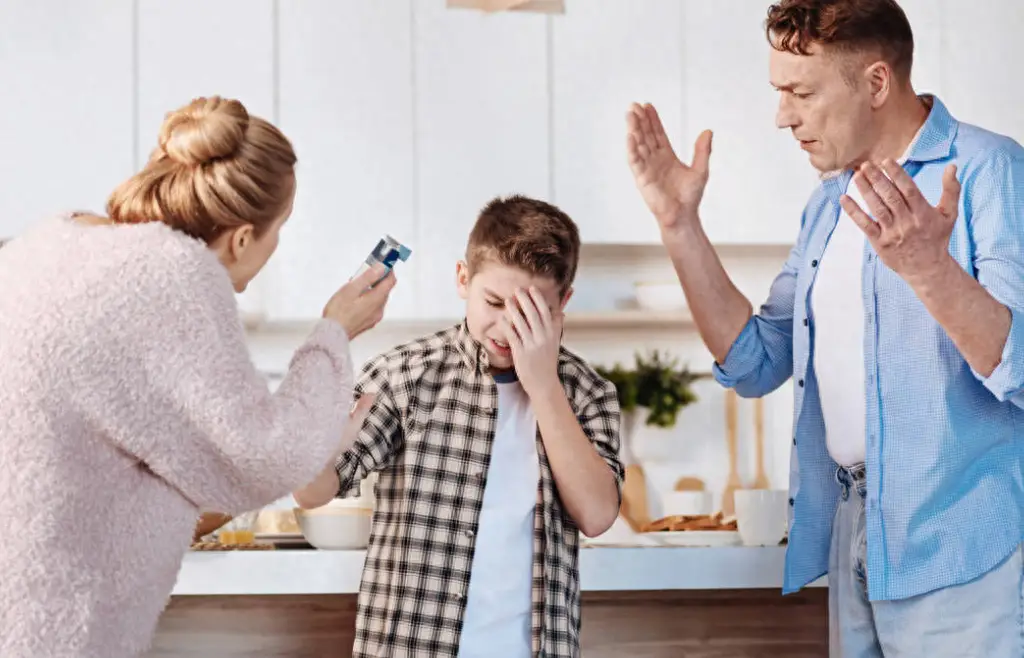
x=565, y=298
x=462, y=279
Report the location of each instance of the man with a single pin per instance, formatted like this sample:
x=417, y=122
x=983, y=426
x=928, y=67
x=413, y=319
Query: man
x=904, y=331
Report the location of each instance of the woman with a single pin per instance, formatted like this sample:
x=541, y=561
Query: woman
x=128, y=401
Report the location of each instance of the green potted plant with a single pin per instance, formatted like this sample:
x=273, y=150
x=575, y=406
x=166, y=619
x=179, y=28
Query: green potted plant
x=656, y=389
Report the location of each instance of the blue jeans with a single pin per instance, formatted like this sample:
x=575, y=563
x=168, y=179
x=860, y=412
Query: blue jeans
x=980, y=619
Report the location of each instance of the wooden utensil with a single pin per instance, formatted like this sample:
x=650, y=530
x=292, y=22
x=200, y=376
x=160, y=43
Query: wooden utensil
x=689, y=484
x=760, y=478
x=733, y=482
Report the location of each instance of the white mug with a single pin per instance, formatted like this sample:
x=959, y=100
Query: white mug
x=762, y=516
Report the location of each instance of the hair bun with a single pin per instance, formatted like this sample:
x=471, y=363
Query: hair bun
x=205, y=130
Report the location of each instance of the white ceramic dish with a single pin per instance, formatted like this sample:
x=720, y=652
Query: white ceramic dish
x=333, y=528
x=686, y=503
x=696, y=538
x=659, y=295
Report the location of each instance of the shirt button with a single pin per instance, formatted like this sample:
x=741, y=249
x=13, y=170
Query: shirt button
x=470, y=533
x=801, y=383
x=814, y=263
x=806, y=322
x=791, y=501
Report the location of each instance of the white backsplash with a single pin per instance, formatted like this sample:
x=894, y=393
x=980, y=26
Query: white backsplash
x=696, y=446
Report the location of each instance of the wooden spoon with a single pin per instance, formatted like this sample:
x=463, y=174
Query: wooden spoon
x=733, y=482
x=689, y=484
x=760, y=478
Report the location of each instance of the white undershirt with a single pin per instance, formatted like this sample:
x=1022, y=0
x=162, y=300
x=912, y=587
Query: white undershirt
x=499, y=602
x=839, y=338
x=838, y=304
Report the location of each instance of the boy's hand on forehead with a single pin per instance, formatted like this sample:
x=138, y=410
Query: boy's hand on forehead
x=534, y=333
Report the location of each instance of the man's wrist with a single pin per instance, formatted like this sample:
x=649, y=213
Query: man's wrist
x=680, y=229
x=934, y=280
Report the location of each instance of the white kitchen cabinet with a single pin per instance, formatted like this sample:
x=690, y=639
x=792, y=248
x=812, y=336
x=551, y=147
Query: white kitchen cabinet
x=606, y=55
x=760, y=178
x=232, y=55
x=481, y=99
x=235, y=60
x=346, y=101
x=925, y=18
x=982, y=53
x=66, y=115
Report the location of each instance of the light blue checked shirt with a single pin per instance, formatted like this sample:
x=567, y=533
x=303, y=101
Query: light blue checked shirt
x=945, y=445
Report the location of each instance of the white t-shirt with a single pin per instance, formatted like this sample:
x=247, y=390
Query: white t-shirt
x=838, y=303
x=839, y=338
x=499, y=601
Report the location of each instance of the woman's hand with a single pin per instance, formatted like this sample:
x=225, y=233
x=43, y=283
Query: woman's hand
x=357, y=306
x=320, y=491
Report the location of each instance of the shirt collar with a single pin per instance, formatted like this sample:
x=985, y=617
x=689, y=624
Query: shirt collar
x=934, y=141
x=472, y=352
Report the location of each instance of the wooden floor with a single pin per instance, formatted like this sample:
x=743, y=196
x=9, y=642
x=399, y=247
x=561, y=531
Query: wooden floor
x=686, y=624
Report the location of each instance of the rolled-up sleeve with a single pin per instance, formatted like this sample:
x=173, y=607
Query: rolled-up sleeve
x=761, y=357
x=993, y=200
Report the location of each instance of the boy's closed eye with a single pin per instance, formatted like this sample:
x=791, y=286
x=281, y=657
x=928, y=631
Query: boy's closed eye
x=495, y=302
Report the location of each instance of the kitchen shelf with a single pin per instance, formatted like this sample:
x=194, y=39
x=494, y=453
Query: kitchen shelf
x=583, y=321
x=631, y=319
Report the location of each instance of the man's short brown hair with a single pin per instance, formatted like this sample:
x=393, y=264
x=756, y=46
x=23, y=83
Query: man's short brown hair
x=846, y=26
x=531, y=235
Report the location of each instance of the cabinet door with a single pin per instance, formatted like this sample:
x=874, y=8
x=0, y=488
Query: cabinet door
x=606, y=55
x=982, y=51
x=481, y=130
x=66, y=116
x=760, y=179
x=925, y=19
x=235, y=60
x=346, y=102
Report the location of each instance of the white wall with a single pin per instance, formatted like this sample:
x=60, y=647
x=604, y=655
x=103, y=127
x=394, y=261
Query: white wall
x=408, y=116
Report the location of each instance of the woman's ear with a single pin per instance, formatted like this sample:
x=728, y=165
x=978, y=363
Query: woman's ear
x=241, y=239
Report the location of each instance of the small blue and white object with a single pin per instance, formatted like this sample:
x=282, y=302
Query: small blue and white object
x=388, y=252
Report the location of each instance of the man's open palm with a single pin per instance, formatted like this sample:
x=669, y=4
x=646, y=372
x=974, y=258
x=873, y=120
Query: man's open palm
x=671, y=189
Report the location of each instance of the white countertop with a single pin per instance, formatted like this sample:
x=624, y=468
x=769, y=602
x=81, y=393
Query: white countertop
x=292, y=571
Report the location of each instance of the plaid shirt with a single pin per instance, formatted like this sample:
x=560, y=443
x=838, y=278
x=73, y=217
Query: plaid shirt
x=429, y=434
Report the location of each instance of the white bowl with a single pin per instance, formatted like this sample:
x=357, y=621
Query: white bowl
x=762, y=515
x=686, y=503
x=659, y=296
x=335, y=528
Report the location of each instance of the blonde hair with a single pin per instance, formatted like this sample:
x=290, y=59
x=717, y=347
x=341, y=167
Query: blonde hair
x=215, y=168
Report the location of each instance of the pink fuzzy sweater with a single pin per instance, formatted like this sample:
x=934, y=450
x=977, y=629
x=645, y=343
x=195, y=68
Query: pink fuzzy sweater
x=128, y=404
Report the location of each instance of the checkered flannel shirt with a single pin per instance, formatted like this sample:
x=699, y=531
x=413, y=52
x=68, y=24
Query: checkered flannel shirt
x=429, y=436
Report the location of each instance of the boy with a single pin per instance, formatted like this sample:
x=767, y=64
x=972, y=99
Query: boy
x=495, y=448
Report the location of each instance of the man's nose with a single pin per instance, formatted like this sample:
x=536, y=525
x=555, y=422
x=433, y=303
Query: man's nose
x=785, y=117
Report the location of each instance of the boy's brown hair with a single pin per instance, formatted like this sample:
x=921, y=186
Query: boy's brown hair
x=843, y=25
x=528, y=234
